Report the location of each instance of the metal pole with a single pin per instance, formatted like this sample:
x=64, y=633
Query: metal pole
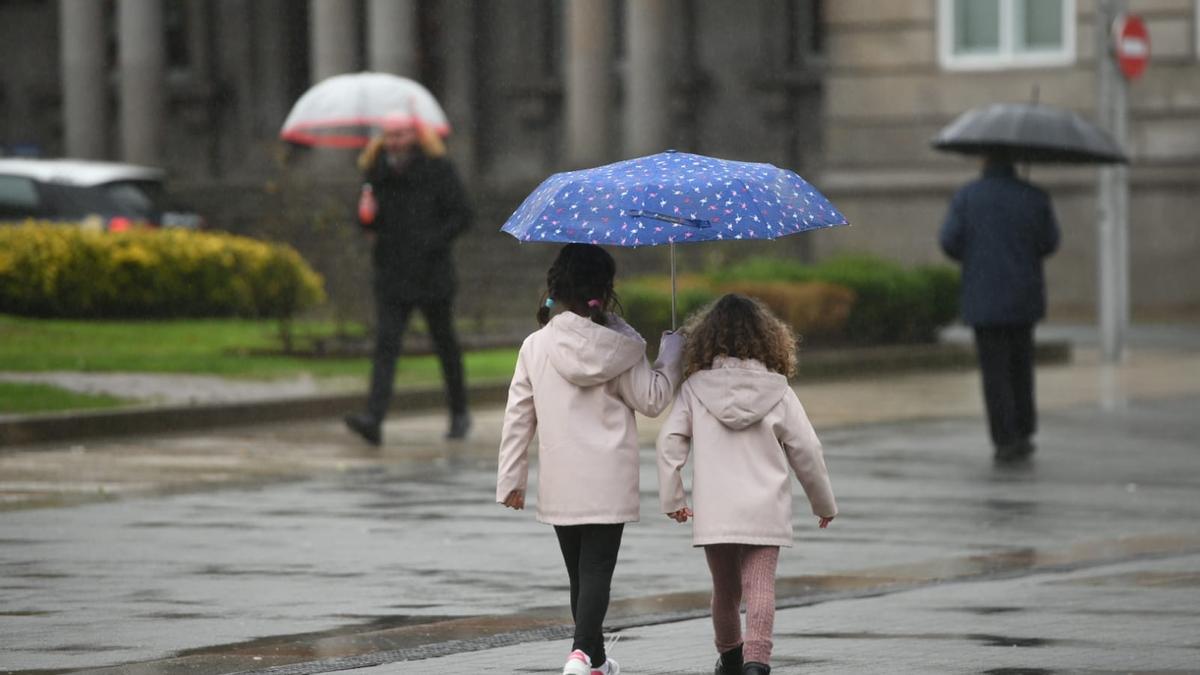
x=1113, y=192
x=672, y=286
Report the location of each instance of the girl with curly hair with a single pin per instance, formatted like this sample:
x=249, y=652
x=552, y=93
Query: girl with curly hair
x=577, y=384
x=741, y=420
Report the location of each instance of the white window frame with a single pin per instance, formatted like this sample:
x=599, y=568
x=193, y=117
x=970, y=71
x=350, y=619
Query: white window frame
x=1007, y=58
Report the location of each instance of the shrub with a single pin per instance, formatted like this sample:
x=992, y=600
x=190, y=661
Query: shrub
x=817, y=311
x=942, y=285
x=61, y=271
x=892, y=304
x=646, y=302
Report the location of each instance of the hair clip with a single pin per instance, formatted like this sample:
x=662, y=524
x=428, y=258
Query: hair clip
x=594, y=303
x=549, y=303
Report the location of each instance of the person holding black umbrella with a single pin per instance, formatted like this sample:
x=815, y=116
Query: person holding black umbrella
x=413, y=208
x=1000, y=228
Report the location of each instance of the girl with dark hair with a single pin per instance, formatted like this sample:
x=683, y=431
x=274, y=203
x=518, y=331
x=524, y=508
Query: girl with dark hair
x=578, y=382
x=741, y=420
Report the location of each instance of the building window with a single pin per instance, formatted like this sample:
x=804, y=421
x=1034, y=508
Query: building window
x=999, y=34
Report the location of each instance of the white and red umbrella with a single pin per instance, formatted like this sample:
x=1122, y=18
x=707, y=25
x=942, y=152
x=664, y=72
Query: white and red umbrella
x=344, y=111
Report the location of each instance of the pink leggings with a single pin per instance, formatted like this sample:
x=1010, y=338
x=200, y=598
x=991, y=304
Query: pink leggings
x=742, y=572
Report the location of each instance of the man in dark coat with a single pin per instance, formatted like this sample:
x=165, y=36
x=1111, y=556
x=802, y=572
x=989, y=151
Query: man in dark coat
x=421, y=209
x=1000, y=228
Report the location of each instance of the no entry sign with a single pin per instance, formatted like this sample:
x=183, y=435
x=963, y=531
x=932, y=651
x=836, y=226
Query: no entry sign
x=1133, y=45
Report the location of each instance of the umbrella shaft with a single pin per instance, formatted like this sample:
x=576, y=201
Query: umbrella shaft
x=672, y=286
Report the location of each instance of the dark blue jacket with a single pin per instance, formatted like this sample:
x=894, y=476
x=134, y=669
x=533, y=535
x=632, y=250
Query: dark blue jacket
x=1000, y=227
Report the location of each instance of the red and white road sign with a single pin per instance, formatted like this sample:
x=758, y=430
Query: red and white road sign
x=1132, y=45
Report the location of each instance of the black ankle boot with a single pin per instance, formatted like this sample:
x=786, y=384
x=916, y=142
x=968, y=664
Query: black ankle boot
x=365, y=426
x=730, y=662
x=460, y=424
x=753, y=668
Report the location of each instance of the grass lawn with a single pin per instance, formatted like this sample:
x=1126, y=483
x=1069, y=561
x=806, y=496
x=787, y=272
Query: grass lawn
x=18, y=397
x=208, y=346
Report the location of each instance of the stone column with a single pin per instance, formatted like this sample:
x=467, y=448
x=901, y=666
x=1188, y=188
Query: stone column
x=142, y=58
x=648, y=76
x=333, y=36
x=82, y=34
x=392, y=37
x=273, y=57
x=589, y=82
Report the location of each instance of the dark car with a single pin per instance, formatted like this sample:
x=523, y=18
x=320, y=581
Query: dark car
x=109, y=195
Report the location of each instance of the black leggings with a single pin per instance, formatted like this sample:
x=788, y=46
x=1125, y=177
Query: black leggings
x=590, y=552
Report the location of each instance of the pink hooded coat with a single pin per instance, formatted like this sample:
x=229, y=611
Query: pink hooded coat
x=577, y=385
x=745, y=426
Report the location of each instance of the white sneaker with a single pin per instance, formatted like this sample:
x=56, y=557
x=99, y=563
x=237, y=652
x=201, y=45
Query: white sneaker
x=578, y=663
x=610, y=667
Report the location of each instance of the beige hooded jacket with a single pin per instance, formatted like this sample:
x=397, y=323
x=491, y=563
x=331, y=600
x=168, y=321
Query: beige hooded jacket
x=745, y=426
x=577, y=385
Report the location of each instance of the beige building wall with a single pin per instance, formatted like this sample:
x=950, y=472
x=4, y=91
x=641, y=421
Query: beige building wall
x=887, y=94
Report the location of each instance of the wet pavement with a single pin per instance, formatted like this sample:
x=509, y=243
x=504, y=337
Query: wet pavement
x=184, y=389
x=1137, y=618
x=287, y=544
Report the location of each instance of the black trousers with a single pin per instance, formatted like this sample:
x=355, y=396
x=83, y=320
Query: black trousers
x=1006, y=361
x=391, y=321
x=590, y=552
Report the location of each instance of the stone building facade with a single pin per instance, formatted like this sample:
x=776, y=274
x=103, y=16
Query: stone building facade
x=894, y=79
x=846, y=92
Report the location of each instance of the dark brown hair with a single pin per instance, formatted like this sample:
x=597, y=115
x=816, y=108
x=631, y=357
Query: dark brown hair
x=742, y=328
x=581, y=280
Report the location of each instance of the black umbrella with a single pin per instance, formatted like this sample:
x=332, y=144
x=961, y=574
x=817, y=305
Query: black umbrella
x=1029, y=132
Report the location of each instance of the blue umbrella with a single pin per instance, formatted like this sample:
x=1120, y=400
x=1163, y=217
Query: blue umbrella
x=668, y=198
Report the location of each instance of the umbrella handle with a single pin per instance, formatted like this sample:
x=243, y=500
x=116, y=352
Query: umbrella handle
x=672, y=286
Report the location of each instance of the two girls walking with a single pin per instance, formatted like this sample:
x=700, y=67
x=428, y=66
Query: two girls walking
x=578, y=382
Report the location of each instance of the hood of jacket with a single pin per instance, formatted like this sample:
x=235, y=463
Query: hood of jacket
x=738, y=392
x=586, y=353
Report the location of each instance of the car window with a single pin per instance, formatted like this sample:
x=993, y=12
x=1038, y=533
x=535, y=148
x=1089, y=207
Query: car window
x=132, y=197
x=18, y=197
x=75, y=201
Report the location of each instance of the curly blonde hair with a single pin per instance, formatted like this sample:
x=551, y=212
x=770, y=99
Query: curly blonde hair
x=739, y=327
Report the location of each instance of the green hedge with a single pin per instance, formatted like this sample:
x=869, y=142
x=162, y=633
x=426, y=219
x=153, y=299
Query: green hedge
x=49, y=270
x=646, y=302
x=892, y=304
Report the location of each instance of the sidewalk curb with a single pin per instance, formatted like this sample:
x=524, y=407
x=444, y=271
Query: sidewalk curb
x=70, y=426
x=818, y=364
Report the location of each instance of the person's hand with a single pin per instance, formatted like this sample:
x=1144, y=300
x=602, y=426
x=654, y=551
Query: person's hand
x=673, y=337
x=824, y=522
x=670, y=346
x=682, y=515
x=515, y=500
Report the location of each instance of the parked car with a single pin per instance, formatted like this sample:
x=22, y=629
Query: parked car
x=106, y=195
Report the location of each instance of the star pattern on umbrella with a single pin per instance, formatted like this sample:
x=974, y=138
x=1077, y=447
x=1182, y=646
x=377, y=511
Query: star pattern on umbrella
x=671, y=197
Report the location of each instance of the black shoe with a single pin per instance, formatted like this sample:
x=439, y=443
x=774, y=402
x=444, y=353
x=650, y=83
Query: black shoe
x=753, y=668
x=730, y=662
x=365, y=426
x=1013, y=453
x=460, y=424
